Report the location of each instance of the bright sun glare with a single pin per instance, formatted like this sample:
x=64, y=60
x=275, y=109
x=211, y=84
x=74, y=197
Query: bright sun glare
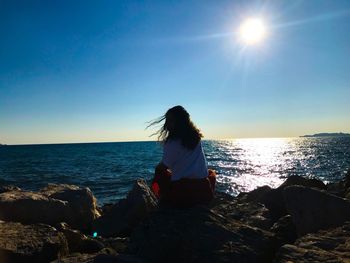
x=252, y=31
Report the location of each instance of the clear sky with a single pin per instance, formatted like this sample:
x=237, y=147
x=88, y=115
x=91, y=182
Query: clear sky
x=83, y=71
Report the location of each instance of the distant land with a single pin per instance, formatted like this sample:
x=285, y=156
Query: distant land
x=325, y=134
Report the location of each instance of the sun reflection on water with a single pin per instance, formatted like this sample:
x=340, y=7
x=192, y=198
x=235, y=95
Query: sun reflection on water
x=246, y=164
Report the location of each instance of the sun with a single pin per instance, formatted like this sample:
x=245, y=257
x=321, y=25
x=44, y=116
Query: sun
x=252, y=31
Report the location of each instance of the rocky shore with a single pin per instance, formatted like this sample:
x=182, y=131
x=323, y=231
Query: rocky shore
x=303, y=220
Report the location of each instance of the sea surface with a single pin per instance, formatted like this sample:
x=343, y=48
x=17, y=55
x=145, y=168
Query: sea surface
x=109, y=169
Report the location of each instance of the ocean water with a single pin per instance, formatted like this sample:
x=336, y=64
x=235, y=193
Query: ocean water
x=109, y=169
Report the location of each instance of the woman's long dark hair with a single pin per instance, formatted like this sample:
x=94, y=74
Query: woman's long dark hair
x=178, y=125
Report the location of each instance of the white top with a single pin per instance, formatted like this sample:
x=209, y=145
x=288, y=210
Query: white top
x=184, y=163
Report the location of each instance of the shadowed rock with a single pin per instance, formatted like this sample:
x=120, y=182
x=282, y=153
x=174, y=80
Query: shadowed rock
x=30, y=243
x=199, y=235
x=341, y=188
x=128, y=212
x=312, y=209
x=324, y=246
x=78, y=242
x=256, y=195
x=248, y=212
x=285, y=231
x=274, y=200
x=99, y=258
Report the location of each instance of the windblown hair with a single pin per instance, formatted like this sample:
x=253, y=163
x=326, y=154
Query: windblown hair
x=182, y=128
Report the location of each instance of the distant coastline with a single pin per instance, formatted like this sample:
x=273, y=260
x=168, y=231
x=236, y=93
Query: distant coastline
x=326, y=134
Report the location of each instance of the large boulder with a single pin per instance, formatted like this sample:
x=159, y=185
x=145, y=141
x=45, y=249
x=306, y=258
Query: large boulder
x=273, y=199
x=312, y=209
x=127, y=213
x=54, y=204
x=332, y=245
x=199, y=235
x=81, y=202
x=29, y=208
x=30, y=243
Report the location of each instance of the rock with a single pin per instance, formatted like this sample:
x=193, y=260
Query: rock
x=81, y=201
x=7, y=188
x=106, y=208
x=127, y=213
x=347, y=194
x=312, y=209
x=78, y=242
x=99, y=258
x=274, y=199
x=331, y=245
x=307, y=182
x=119, y=244
x=54, y=204
x=255, y=195
x=30, y=243
x=19, y=206
x=199, y=235
x=347, y=179
x=285, y=230
x=341, y=188
x=250, y=213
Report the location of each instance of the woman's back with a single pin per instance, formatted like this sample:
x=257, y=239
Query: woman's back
x=184, y=162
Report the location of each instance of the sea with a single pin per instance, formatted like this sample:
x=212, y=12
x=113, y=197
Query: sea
x=110, y=169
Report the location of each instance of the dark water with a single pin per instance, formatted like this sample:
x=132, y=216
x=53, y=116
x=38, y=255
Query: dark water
x=109, y=169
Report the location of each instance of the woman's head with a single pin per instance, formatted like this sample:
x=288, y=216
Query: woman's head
x=178, y=125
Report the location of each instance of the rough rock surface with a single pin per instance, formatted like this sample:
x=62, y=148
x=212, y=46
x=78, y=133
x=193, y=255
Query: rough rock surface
x=312, y=209
x=78, y=242
x=54, y=204
x=248, y=212
x=81, y=201
x=99, y=258
x=199, y=235
x=247, y=228
x=285, y=230
x=30, y=243
x=341, y=188
x=7, y=188
x=29, y=208
x=274, y=200
x=332, y=245
x=127, y=213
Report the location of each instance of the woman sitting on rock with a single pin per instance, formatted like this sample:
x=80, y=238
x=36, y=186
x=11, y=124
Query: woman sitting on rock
x=182, y=178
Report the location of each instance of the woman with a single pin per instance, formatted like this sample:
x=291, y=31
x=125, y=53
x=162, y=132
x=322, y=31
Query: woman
x=182, y=178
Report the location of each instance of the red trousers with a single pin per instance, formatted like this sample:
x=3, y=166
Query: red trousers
x=184, y=192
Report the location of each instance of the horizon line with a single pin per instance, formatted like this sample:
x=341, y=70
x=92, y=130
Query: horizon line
x=131, y=141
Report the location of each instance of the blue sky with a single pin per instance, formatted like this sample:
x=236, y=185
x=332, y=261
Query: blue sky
x=83, y=71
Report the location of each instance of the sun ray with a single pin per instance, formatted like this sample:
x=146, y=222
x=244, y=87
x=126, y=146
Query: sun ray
x=318, y=18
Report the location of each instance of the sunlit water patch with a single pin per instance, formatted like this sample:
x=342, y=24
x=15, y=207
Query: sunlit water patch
x=245, y=164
